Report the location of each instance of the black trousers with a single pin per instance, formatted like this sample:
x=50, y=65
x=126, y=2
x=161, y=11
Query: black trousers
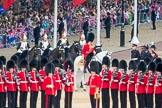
x=105, y=98
x=85, y=33
x=94, y=102
x=141, y=100
x=16, y=98
x=49, y=101
x=68, y=99
x=23, y=99
x=114, y=95
x=132, y=99
x=149, y=98
x=43, y=99
x=36, y=42
x=33, y=99
x=153, y=25
x=158, y=100
x=123, y=99
x=11, y=99
x=2, y=99
x=57, y=99
x=108, y=32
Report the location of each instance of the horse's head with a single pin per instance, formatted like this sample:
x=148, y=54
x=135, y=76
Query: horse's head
x=76, y=48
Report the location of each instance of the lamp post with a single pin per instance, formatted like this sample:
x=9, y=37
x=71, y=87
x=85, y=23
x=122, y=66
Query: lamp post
x=55, y=25
x=122, y=31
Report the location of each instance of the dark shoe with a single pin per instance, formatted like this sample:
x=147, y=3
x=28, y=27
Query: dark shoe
x=81, y=85
x=129, y=40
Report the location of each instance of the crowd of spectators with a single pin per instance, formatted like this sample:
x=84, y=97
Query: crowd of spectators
x=15, y=23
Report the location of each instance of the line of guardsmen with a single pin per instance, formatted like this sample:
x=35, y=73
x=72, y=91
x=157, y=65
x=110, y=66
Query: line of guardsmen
x=48, y=80
x=141, y=80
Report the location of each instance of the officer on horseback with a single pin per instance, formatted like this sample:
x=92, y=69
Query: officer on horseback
x=23, y=45
x=63, y=41
x=44, y=44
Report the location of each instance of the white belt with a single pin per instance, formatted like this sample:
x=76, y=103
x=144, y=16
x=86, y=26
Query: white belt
x=58, y=80
x=11, y=82
x=34, y=82
x=23, y=82
x=134, y=58
x=1, y=82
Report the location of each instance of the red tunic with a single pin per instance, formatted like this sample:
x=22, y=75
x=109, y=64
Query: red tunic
x=86, y=50
x=11, y=84
x=2, y=84
x=58, y=78
x=115, y=80
x=123, y=82
x=94, y=81
x=34, y=84
x=105, y=79
x=23, y=81
x=150, y=82
x=141, y=87
x=50, y=84
x=158, y=88
x=69, y=83
x=43, y=74
x=132, y=82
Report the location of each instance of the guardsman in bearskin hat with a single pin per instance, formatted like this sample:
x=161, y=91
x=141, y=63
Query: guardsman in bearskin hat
x=58, y=78
x=105, y=78
x=34, y=84
x=115, y=79
x=42, y=73
x=11, y=84
x=123, y=83
x=131, y=83
x=2, y=86
x=141, y=84
x=68, y=81
x=150, y=82
x=23, y=83
x=44, y=44
x=158, y=86
x=50, y=84
x=94, y=82
x=135, y=54
x=88, y=50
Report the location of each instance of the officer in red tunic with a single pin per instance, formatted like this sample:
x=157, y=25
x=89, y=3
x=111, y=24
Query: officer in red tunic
x=131, y=83
x=141, y=84
x=23, y=83
x=34, y=84
x=68, y=81
x=42, y=73
x=158, y=86
x=2, y=86
x=123, y=83
x=58, y=78
x=11, y=84
x=150, y=84
x=115, y=79
x=88, y=50
x=105, y=78
x=50, y=84
x=94, y=82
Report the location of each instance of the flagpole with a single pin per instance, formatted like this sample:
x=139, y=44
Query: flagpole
x=55, y=25
x=135, y=39
x=98, y=44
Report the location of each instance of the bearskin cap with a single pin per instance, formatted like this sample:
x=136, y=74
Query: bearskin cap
x=123, y=65
x=23, y=63
x=159, y=67
x=1, y=64
x=10, y=64
x=68, y=64
x=157, y=60
x=141, y=66
x=153, y=46
x=152, y=66
x=132, y=65
x=106, y=61
x=147, y=60
x=94, y=66
x=15, y=58
x=44, y=61
x=56, y=63
x=90, y=37
x=3, y=59
x=33, y=64
x=115, y=63
x=49, y=68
